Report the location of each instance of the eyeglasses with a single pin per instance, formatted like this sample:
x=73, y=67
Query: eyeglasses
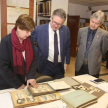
x=55, y=23
x=28, y=32
x=94, y=22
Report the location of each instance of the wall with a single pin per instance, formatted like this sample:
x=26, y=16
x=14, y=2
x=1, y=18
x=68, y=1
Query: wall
x=96, y=8
x=76, y=9
x=63, y=4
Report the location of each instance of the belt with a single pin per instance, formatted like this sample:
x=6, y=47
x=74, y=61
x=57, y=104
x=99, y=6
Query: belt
x=53, y=62
x=85, y=63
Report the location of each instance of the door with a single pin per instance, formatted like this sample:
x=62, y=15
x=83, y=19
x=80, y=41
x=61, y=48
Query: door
x=73, y=25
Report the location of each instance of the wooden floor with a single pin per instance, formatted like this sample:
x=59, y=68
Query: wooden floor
x=71, y=70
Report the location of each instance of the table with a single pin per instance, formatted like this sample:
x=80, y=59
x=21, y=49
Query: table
x=102, y=101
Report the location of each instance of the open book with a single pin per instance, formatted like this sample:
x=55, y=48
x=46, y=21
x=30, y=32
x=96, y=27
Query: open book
x=49, y=87
x=23, y=98
x=79, y=99
x=41, y=90
x=91, y=89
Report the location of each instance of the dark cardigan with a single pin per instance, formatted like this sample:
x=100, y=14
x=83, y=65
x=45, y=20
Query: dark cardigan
x=8, y=79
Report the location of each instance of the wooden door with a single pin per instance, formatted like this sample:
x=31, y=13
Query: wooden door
x=73, y=25
x=3, y=18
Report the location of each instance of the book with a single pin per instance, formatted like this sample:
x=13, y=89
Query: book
x=91, y=89
x=103, y=86
x=59, y=85
x=79, y=99
x=41, y=90
x=49, y=7
x=69, y=80
x=23, y=98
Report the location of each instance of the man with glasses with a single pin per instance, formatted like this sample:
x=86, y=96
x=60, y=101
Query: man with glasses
x=53, y=45
x=92, y=44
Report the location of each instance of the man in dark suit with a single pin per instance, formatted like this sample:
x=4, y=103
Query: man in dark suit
x=53, y=45
x=92, y=44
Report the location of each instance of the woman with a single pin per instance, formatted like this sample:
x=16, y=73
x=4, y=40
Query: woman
x=18, y=58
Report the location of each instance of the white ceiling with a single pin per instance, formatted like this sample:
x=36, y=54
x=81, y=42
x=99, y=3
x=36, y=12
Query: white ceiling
x=90, y=2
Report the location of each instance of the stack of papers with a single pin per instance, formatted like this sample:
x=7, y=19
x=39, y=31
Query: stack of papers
x=60, y=85
x=69, y=80
x=5, y=100
x=103, y=86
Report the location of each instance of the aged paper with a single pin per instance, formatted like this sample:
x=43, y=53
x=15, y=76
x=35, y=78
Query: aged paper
x=41, y=90
x=91, y=89
x=49, y=97
x=23, y=98
x=59, y=85
x=9, y=28
x=18, y=3
x=13, y=13
x=69, y=80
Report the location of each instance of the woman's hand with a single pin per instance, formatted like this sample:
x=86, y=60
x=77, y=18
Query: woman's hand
x=32, y=82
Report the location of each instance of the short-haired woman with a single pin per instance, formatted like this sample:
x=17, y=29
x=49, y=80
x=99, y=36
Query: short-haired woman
x=18, y=58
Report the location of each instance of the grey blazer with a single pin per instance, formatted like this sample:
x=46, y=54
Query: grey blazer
x=98, y=48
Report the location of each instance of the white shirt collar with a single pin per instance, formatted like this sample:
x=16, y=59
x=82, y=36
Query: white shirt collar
x=50, y=29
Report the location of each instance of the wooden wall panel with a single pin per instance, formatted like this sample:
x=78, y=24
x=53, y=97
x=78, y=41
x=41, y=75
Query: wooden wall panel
x=31, y=7
x=4, y=15
x=3, y=18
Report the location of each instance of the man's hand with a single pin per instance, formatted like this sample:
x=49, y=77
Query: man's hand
x=66, y=66
x=22, y=87
x=32, y=82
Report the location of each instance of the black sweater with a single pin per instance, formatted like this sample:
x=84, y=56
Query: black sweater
x=8, y=79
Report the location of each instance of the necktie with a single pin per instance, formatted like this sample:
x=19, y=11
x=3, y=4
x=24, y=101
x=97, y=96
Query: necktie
x=89, y=42
x=56, y=52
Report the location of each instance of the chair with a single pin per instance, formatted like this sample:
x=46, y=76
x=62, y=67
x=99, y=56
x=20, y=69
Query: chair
x=43, y=78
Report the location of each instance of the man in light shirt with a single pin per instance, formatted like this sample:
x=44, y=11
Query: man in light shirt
x=53, y=45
